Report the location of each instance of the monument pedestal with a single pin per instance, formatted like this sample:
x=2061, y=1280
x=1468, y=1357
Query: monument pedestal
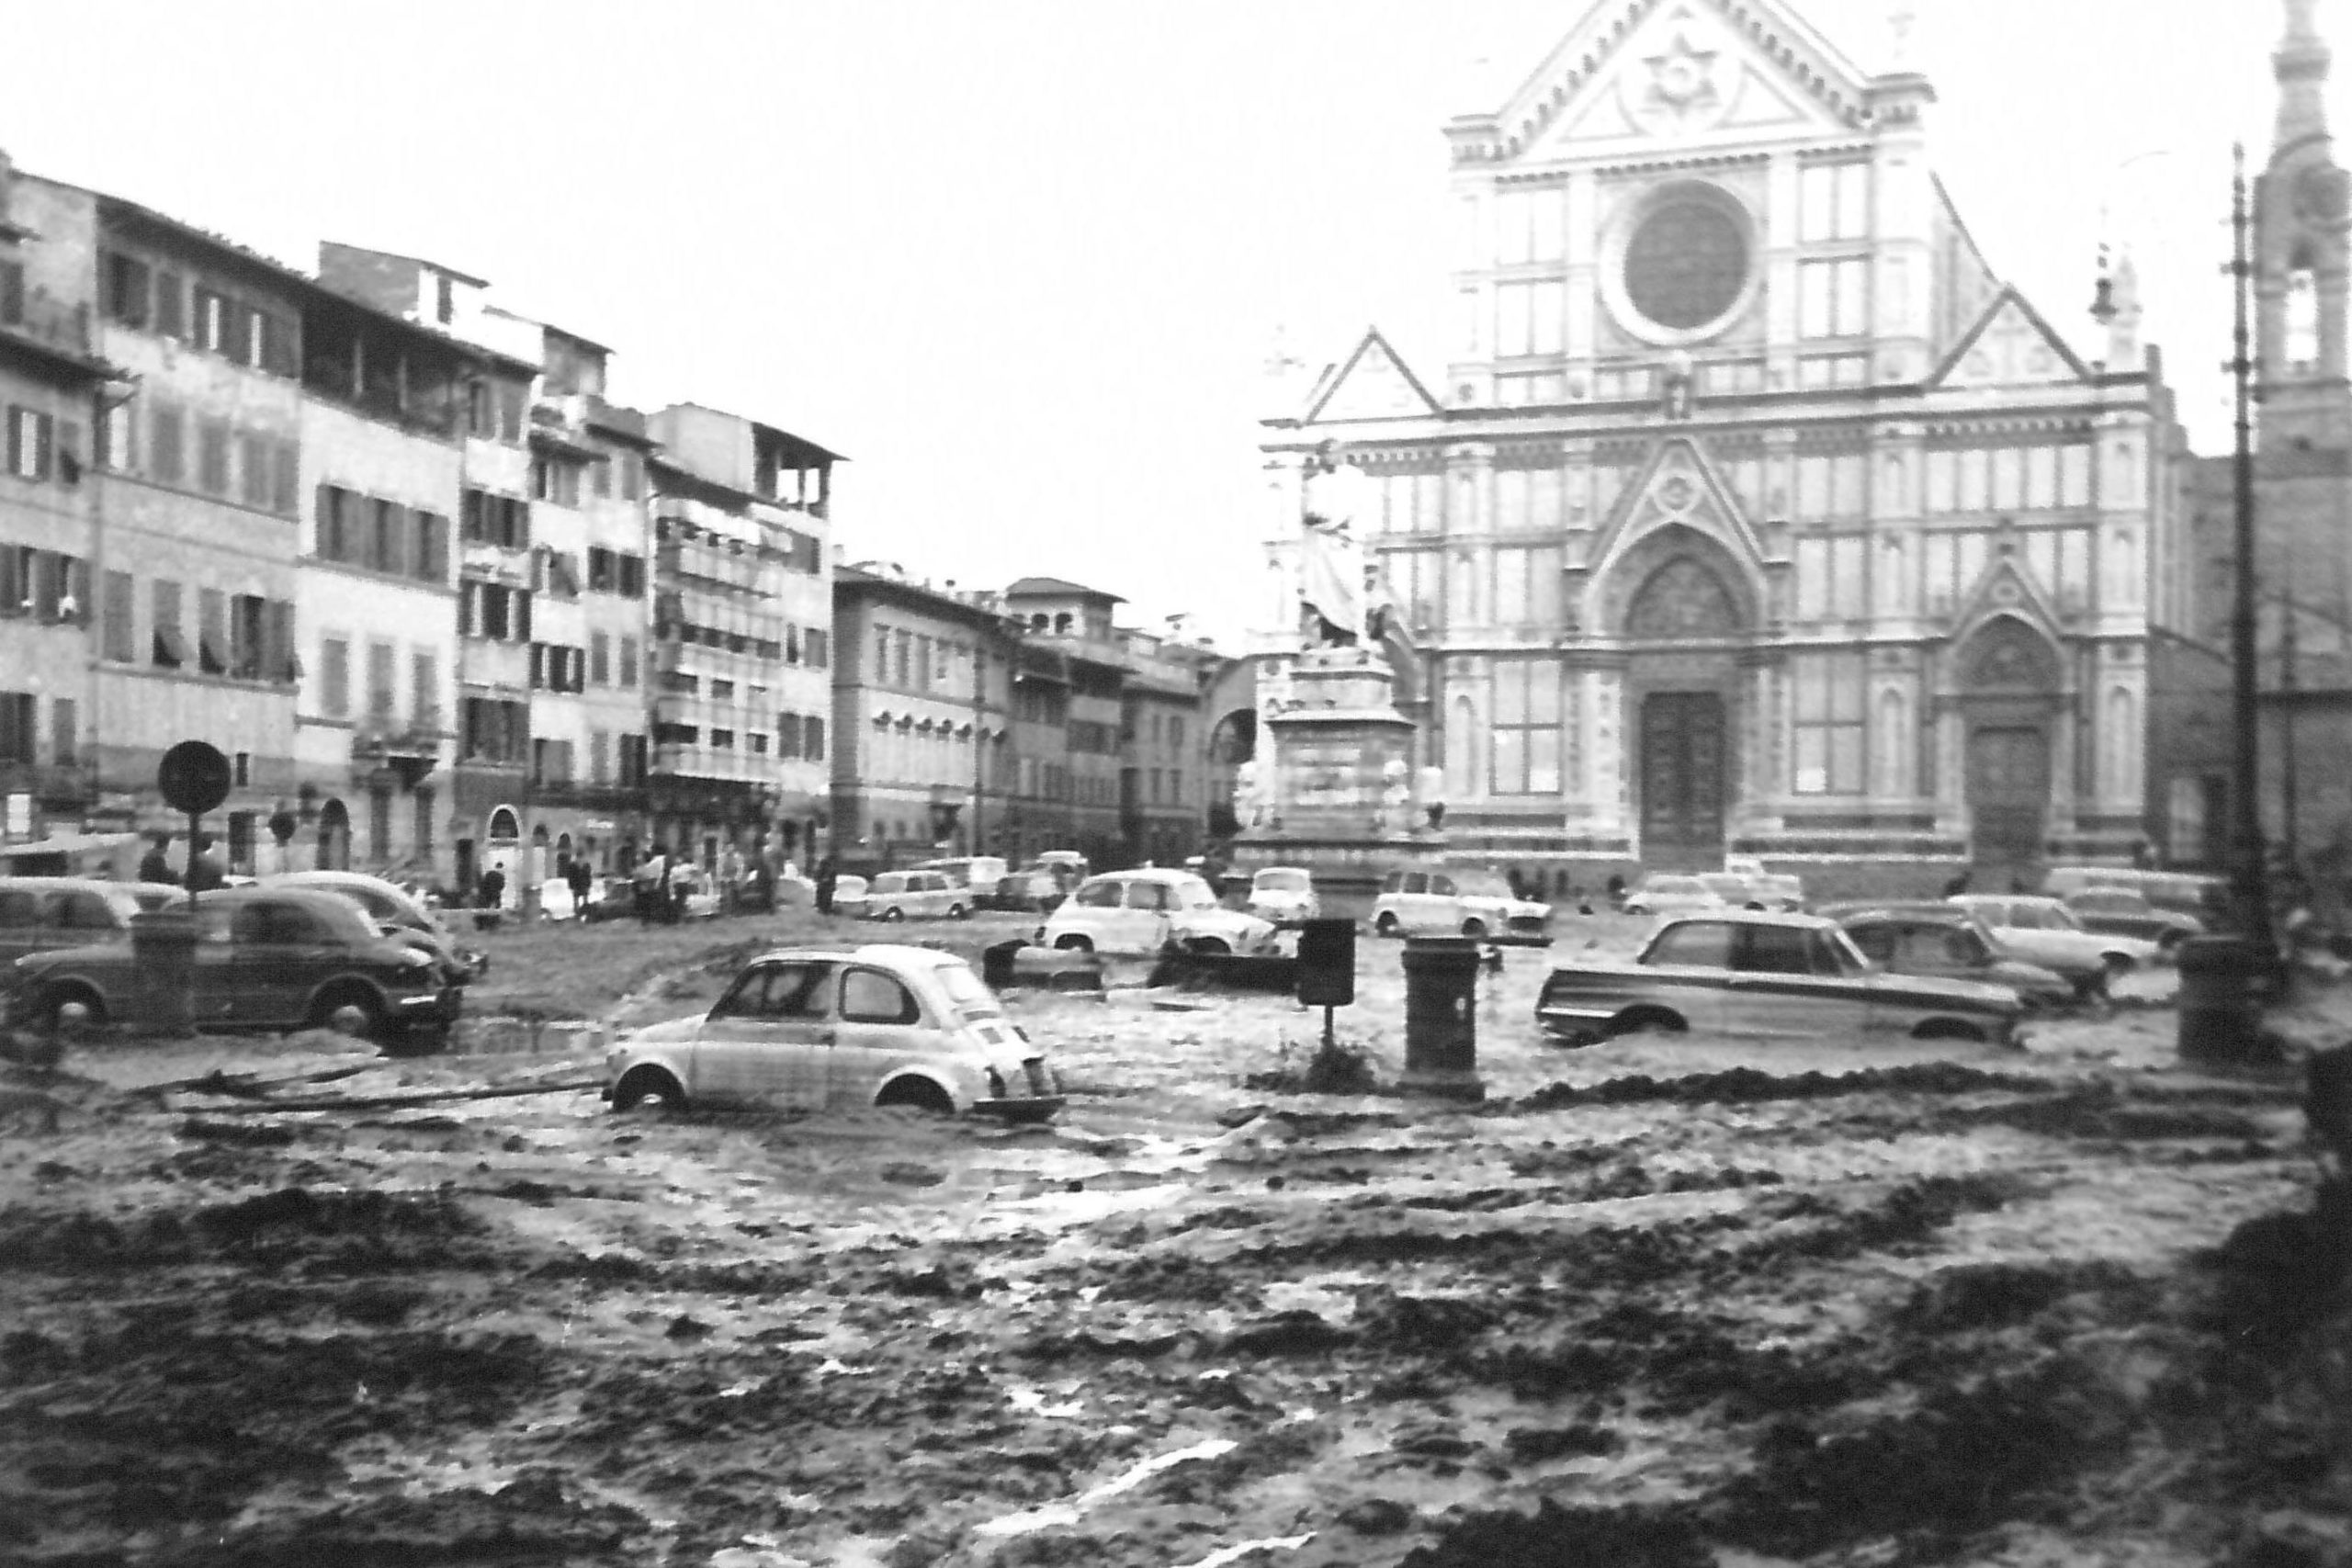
x=1336, y=768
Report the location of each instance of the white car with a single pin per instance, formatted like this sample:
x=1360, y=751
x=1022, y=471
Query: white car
x=1280, y=893
x=1475, y=903
x=916, y=894
x=810, y=1029
x=1144, y=911
x=1665, y=893
x=2043, y=931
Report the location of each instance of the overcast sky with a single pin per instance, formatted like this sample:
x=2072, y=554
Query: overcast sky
x=1022, y=260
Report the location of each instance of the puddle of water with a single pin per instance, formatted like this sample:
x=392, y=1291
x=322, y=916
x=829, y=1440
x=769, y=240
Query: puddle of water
x=1031, y=1520
x=1225, y=1554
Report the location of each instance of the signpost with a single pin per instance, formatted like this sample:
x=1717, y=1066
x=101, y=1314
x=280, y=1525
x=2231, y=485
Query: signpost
x=194, y=778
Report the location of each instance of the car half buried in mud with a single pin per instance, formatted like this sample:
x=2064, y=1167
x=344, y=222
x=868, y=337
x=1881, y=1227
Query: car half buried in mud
x=1765, y=976
x=810, y=1029
x=263, y=959
x=1150, y=910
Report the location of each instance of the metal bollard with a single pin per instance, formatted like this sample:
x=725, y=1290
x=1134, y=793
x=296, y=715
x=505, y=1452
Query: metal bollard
x=2221, y=1010
x=1442, y=1017
x=164, y=942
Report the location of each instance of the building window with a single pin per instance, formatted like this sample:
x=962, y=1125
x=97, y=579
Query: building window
x=212, y=456
x=66, y=732
x=258, y=468
x=1527, y=728
x=166, y=459
x=812, y=647
x=1688, y=264
x=30, y=438
x=1834, y=202
x=127, y=288
x=1527, y=318
x=628, y=661
x=170, y=649
x=121, y=633
x=1833, y=298
x=599, y=659
x=17, y=728
x=1828, y=724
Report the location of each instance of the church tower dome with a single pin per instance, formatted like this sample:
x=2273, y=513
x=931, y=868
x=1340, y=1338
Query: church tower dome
x=2303, y=265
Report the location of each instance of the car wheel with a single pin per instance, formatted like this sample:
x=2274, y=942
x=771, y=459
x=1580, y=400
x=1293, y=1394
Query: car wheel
x=349, y=1009
x=957, y=912
x=1207, y=944
x=1474, y=930
x=1074, y=943
x=70, y=1007
x=892, y=913
x=1387, y=925
x=641, y=1084
x=1647, y=1020
x=915, y=1094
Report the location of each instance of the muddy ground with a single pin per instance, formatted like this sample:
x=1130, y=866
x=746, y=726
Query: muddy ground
x=1653, y=1304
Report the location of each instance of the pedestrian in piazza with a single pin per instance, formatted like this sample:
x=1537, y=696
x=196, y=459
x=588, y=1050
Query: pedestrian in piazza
x=157, y=865
x=827, y=878
x=647, y=882
x=492, y=891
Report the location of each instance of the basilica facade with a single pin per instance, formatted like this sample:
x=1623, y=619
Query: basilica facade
x=1751, y=513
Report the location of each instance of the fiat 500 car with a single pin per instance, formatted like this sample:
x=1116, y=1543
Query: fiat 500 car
x=1753, y=975
x=812, y=1028
x=1280, y=893
x=1475, y=903
x=263, y=959
x=1145, y=912
x=1673, y=894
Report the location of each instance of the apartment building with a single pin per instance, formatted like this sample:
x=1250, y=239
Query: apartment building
x=52, y=381
x=923, y=685
x=1068, y=712
x=742, y=636
x=1163, y=777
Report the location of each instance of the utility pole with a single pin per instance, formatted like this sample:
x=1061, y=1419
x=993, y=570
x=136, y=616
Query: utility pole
x=2252, y=880
x=2289, y=787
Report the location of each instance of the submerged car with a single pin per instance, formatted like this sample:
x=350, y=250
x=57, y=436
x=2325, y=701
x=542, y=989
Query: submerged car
x=1280, y=893
x=38, y=913
x=1665, y=893
x=2124, y=911
x=1144, y=911
x=266, y=958
x=1948, y=945
x=810, y=1029
x=2043, y=931
x=1765, y=976
x=1475, y=903
x=2083, y=969
x=389, y=904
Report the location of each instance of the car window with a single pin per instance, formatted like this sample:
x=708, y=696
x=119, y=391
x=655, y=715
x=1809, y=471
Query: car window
x=1395, y=883
x=868, y=996
x=1834, y=954
x=19, y=907
x=1280, y=881
x=1418, y=883
x=1877, y=941
x=1146, y=895
x=1776, y=950
x=1442, y=886
x=779, y=990
x=274, y=924
x=1104, y=894
x=1191, y=893
x=81, y=910
x=1704, y=944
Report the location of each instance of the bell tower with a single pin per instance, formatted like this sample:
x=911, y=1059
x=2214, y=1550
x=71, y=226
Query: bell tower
x=2303, y=265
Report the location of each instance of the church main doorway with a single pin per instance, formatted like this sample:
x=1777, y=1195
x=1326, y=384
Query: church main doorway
x=2008, y=794
x=1683, y=765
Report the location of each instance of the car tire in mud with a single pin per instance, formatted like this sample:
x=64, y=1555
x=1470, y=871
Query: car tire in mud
x=957, y=912
x=1475, y=930
x=349, y=1009
x=915, y=1094
x=1214, y=946
x=1388, y=925
x=1073, y=943
x=641, y=1084
x=54, y=1012
x=892, y=913
x=1646, y=1020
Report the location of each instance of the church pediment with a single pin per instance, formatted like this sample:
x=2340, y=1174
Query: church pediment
x=1372, y=383
x=1671, y=73
x=2010, y=346
x=2007, y=588
x=1681, y=488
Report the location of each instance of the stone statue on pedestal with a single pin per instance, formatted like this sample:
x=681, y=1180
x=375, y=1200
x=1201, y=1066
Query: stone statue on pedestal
x=1331, y=558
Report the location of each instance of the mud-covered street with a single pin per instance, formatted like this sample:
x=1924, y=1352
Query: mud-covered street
x=1661, y=1303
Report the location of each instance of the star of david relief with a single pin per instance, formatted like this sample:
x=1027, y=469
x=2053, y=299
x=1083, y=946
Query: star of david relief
x=1682, y=599
x=1680, y=92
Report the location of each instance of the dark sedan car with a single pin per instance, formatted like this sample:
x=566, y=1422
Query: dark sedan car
x=264, y=959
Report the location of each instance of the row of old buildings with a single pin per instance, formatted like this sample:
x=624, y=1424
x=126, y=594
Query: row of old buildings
x=392, y=549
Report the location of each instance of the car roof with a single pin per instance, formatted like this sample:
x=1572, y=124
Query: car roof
x=1930, y=913
x=44, y=884
x=1752, y=918
x=1148, y=873
x=897, y=952
x=1286, y=870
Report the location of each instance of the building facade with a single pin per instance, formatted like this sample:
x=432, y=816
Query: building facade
x=1068, y=708
x=1163, y=775
x=742, y=636
x=53, y=387
x=1750, y=512
x=922, y=755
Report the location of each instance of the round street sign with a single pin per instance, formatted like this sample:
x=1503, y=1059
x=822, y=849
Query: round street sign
x=193, y=777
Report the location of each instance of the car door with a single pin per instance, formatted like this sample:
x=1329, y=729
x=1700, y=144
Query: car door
x=1779, y=992
x=20, y=923
x=1688, y=967
x=880, y=1026
x=1146, y=916
x=277, y=952
x=769, y=1039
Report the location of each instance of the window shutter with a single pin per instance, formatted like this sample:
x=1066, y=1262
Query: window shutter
x=171, y=304
x=282, y=663
x=521, y=617
x=12, y=292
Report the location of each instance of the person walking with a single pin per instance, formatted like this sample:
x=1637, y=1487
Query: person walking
x=581, y=881
x=647, y=882
x=827, y=878
x=157, y=865
x=492, y=891
x=203, y=866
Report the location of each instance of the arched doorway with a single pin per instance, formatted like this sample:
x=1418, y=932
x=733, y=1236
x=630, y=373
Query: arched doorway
x=504, y=850
x=1685, y=623
x=2011, y=689
x=334, y=836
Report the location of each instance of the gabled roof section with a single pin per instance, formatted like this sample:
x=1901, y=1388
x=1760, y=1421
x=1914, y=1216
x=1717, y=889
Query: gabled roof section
x=1680, y=486
x=1744, y=64
x=2009, y=345
x=2006, y=587
x=1058, y=588
x=1374, y=382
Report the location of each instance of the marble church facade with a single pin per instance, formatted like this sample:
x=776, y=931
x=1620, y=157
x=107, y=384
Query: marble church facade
x=1751, y=512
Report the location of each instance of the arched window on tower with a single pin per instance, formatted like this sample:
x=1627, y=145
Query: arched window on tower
x=2303, y=316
